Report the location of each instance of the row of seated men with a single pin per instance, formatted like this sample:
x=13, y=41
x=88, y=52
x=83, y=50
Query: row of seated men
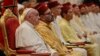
x=61, y=30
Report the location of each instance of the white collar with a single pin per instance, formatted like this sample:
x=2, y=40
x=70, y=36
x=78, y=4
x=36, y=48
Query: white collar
x=28, y=23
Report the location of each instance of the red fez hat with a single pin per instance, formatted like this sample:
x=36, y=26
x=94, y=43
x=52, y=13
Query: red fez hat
x=41, y=7
x=81, y=5
x=74, y=5
x=65, y=9
x=67, y=4
x=53, y=4
x=7, y=3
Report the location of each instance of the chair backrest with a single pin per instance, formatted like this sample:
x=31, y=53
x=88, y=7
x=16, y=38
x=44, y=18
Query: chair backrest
x=11, y=24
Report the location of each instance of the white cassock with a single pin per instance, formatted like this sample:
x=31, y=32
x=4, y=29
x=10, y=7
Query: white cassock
x=97, y=19
x=77, y=24
x=29, y=39
x=91, y=25
x=57, y=31
x=80, y=29
x=97, y=22
x=89, y=22
x=77, y=28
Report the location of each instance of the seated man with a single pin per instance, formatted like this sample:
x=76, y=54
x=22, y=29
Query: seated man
x=48, y=35
x=55, y=8
x=26, y=36
x=71, y=34
x=78, y=26
x=87, y=23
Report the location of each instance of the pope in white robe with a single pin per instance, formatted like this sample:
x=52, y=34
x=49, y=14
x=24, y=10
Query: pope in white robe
x=28, y=38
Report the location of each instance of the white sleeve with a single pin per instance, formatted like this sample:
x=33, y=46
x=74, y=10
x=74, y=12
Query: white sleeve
x=28, y=39
x=24, y=38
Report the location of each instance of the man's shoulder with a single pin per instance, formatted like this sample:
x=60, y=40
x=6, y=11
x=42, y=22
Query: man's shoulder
x=62, y=22
x=42, y=27
x=41, y=24
x=22, y=26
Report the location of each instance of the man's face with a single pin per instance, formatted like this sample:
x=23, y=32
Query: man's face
x=83, y=10
x=57, y=10
x=70, y=14
x=21, y=11
x=87, y=9
x=92, y=7
x=97, y=10
x=34, y=16
x=76, y=10
x=48, y=16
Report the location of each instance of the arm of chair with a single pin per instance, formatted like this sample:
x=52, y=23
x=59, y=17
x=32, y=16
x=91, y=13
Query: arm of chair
x=31, y=53
x=40, y=54
x=70, y=46
x=75, y=45
x=88, y=42
x=78, y=43
x=80, y=46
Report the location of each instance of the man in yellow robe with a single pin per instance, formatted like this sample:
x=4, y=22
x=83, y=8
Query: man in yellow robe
x=71, y=34
x=49, y=37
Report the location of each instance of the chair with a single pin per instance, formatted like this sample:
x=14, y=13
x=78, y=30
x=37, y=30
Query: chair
x=1, y=38
x=9, y=23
